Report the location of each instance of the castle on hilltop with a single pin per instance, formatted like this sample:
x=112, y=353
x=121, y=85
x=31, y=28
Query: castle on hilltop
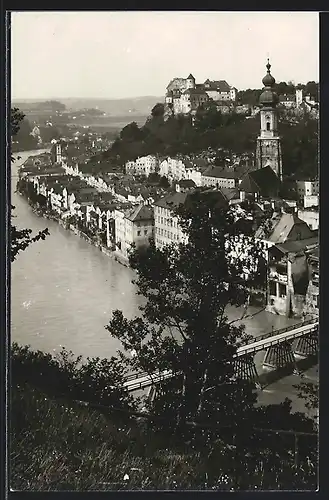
x=184, y=95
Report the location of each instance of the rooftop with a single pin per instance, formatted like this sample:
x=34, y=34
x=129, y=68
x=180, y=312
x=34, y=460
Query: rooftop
x=296, y=246
x=172, y=201
x=142, y=212
x=220, y=173
x=282, y=227
x=263, y=181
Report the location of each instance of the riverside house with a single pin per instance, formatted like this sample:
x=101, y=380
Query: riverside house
x=133, y=226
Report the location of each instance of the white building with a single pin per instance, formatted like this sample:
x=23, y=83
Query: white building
x=218, y=177
x=177, y=169
x=133, y=226
x=311, y=200
x=166, y=227
x=173, y=168
x=311, y=217
x=144, y=165
x=307, y=188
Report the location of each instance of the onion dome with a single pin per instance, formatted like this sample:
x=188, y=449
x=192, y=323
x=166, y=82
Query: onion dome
x=268, y=80
x=268, y=97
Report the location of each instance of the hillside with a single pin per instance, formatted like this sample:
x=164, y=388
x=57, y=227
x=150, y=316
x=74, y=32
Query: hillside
x=115, y=107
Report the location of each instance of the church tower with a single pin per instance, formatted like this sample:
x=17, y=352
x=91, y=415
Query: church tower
x=268, y=151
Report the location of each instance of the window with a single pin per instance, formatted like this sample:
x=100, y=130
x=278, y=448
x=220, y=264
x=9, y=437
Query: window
x=161, y=220
x=145, y=231
x=138, y=233
x=268, y=126
x=282, y=290
x=272, y=288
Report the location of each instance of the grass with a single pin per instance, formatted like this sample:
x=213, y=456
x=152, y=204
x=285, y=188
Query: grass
x=60, y=446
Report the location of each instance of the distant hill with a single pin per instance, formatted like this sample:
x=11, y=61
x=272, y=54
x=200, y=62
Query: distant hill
x=133, y=106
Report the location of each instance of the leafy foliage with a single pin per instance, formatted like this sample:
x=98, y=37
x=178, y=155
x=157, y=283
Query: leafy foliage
x=183, y=327
x=309, y=391
x=300, y=148
x=20, y=239
x=20, y=131
x=95, y=380
x=58, y=445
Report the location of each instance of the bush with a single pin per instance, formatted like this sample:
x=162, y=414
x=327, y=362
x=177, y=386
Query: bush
x=98, y=381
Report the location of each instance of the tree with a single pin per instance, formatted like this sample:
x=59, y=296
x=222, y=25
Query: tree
x=153, y=178
x=309, y=392
x=20, y=239
x=164, y=183
x=131, y=132
x=158, y=110
x=183, y=327
x=20, y=131
x=312, y=88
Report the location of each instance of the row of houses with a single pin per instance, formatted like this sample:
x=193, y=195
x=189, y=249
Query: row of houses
x=203, y=172
x=125, y=222
x=291, y=253
x=291, y=288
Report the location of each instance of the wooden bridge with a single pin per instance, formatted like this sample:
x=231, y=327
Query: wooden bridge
x=278, y=345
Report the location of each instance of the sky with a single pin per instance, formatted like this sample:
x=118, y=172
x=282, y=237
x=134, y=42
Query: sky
x=119, y=54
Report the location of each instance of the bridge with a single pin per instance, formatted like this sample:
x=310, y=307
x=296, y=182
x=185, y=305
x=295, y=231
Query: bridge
x=281, y=348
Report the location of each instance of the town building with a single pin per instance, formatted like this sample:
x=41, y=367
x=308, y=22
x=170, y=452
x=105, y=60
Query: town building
x=144, y=165
x=310, y=216
x=268, y=151
x=167, y=230
x=220, y=90
x=288, y=277
x=287, y=100
x=311, y=200
x=284, y=227
x=261, y=183
x=290, y=101
x=312, y=295
x=185, y=185
x=220, y=177
x=166, y=227
x=307, y=188
x=133, y=226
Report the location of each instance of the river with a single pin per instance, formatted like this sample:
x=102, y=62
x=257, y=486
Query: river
x=64, y=290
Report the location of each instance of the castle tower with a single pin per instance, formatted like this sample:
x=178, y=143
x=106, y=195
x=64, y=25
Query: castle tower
x=58, y=153
x=190, y=82
x=268, y=151
x=299, y=97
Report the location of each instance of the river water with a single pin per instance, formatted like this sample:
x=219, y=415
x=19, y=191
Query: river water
x=64, y=290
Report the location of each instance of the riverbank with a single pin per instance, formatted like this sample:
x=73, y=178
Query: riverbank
x=92, y=239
